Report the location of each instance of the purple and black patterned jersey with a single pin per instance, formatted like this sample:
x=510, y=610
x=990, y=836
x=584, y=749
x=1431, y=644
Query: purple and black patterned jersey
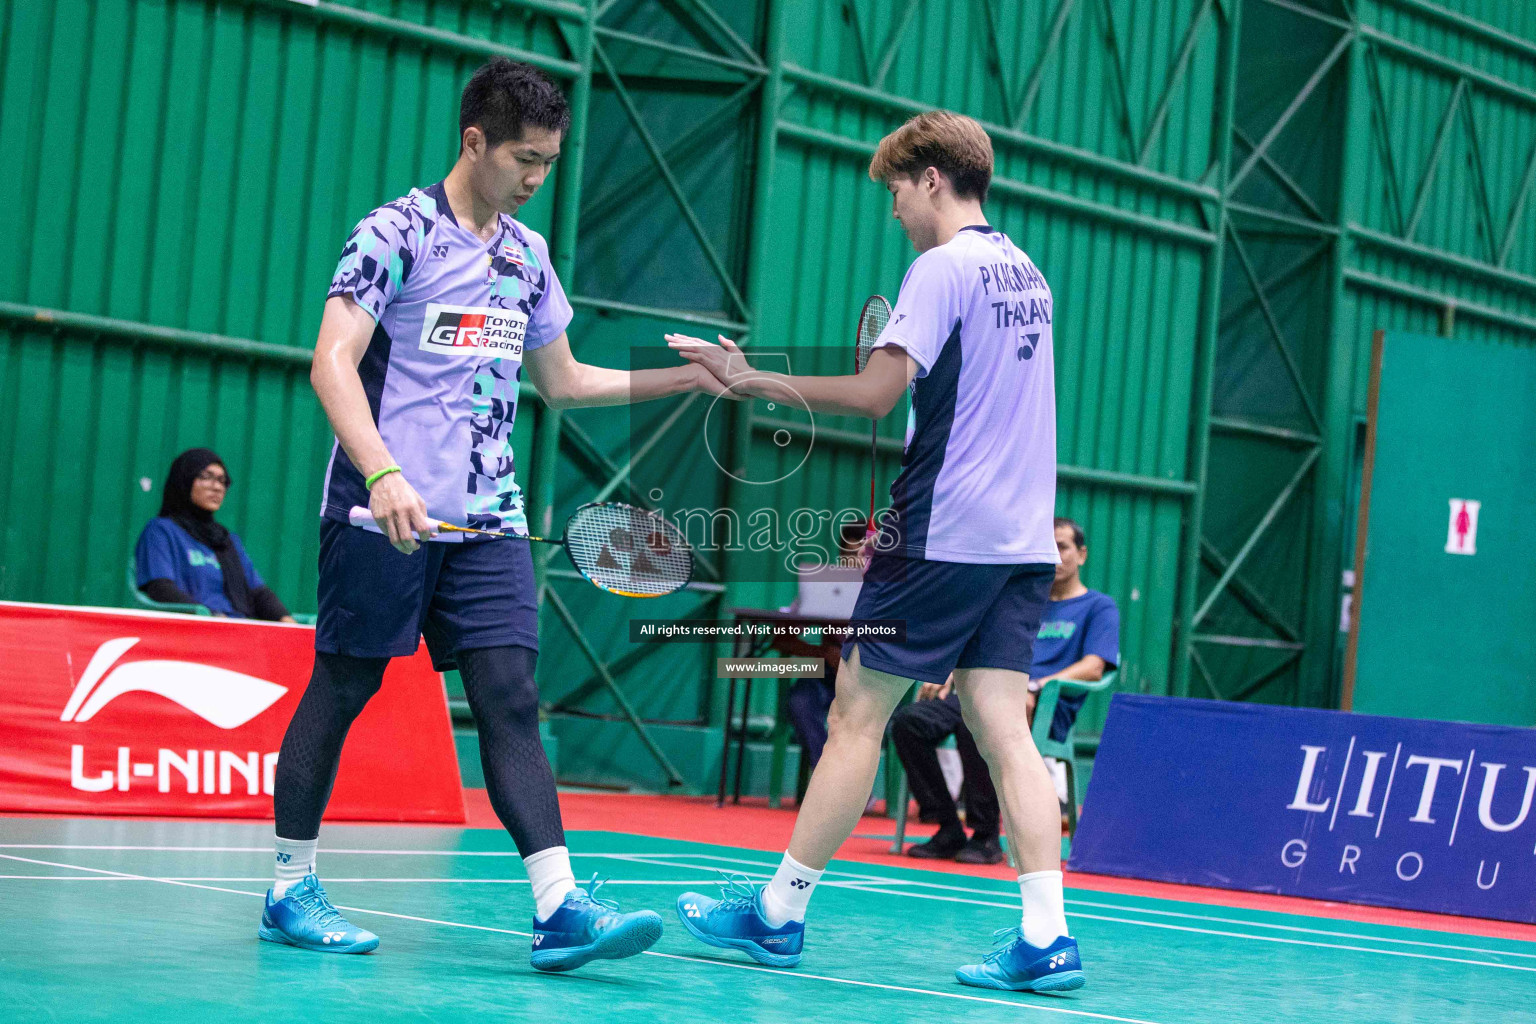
x=454, y=315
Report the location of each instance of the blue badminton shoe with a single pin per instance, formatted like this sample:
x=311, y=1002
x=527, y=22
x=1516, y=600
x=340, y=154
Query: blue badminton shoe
x=735, y=921
x=305, y=917
x=1020, y=967
x=585, y=928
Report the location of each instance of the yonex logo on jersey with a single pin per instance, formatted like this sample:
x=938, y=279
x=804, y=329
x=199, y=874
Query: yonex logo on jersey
x=440, y=250
x=469, y=330
x=1032, y=340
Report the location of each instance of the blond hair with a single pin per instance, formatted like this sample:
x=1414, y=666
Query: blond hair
x=955, y=144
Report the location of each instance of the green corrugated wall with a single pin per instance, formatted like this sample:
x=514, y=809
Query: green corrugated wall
x=1196, y=178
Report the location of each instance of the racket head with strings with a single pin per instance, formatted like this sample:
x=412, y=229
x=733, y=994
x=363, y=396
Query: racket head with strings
x=627, y=551
x=872, y=320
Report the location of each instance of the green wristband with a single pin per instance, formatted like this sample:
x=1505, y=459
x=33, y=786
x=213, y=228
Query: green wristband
x=376, y=477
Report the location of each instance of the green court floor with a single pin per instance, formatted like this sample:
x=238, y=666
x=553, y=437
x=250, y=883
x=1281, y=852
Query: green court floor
x=141, y=921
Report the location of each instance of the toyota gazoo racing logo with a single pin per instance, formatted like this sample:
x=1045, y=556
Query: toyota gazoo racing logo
x=472, y=330
x=218, y=696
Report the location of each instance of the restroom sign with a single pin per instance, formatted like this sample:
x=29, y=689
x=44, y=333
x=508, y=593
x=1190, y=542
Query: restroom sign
x=1461, y=536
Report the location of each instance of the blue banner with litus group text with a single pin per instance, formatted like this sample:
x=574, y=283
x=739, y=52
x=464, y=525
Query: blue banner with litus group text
x=1391, y=812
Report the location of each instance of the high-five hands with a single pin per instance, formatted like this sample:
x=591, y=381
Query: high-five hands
x=720, y=362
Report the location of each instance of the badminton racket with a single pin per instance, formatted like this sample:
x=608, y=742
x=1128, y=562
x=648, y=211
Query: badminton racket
x=616, y=547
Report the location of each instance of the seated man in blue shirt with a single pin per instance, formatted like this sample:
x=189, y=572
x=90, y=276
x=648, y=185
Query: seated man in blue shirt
x=1079, y=639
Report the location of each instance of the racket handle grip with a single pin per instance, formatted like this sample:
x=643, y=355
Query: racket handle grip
x=362, y=517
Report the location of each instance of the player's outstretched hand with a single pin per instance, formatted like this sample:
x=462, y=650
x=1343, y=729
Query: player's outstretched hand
x=724, y=361
x=399, y=511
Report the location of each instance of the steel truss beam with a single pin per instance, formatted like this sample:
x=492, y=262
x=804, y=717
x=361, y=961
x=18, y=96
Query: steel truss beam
x=1274, y=327
x=1280, y=124
x=1268, y=519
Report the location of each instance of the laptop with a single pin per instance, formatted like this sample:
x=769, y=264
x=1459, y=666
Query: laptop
x=828, y=591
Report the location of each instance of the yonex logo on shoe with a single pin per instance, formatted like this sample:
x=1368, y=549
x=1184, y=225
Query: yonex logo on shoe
x=331, y=937
x=1056, y=961
x=691, y=909
x=537, y=939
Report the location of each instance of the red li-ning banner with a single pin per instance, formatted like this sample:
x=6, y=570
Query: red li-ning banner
x=126, y=712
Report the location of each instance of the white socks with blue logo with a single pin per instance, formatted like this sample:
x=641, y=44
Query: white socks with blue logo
x=549, y=871
x=789, y=893
x=295, y=859
x=1045, y=915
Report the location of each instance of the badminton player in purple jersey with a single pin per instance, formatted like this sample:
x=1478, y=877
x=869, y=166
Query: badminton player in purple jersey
x=965, y=554
x=441, y=304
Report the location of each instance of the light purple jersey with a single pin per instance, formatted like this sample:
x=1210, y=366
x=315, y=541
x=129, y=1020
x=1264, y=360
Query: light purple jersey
x=455, y=315
x=978, y=476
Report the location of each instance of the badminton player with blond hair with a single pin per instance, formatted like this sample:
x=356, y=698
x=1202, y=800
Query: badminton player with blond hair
x=965, y=554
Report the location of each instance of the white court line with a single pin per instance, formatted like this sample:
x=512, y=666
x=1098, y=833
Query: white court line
x=1214, y=931
x=776, y=972
x=860, y=879
x=329, y=880
x=268, y=849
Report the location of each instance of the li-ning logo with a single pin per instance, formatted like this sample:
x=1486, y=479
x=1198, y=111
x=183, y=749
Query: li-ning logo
x=216, y=695
x=471, y=330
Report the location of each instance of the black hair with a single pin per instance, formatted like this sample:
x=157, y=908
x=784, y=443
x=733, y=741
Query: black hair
x=504, y=97
x=1077, y=531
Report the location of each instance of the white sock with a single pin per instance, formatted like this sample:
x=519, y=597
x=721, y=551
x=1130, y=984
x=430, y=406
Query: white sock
x=789, y=893
x=295, y=859
x=550, y=873
x=1045, y=915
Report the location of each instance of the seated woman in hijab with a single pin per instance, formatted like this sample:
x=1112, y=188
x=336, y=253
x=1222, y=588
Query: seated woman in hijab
x=184, y=557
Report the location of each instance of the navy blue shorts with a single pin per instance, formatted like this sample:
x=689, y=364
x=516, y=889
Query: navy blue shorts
x=377, y=603
x=958, y=615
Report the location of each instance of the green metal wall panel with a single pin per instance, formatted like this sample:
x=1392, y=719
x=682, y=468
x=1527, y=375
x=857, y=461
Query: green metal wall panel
x=1387, y=152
